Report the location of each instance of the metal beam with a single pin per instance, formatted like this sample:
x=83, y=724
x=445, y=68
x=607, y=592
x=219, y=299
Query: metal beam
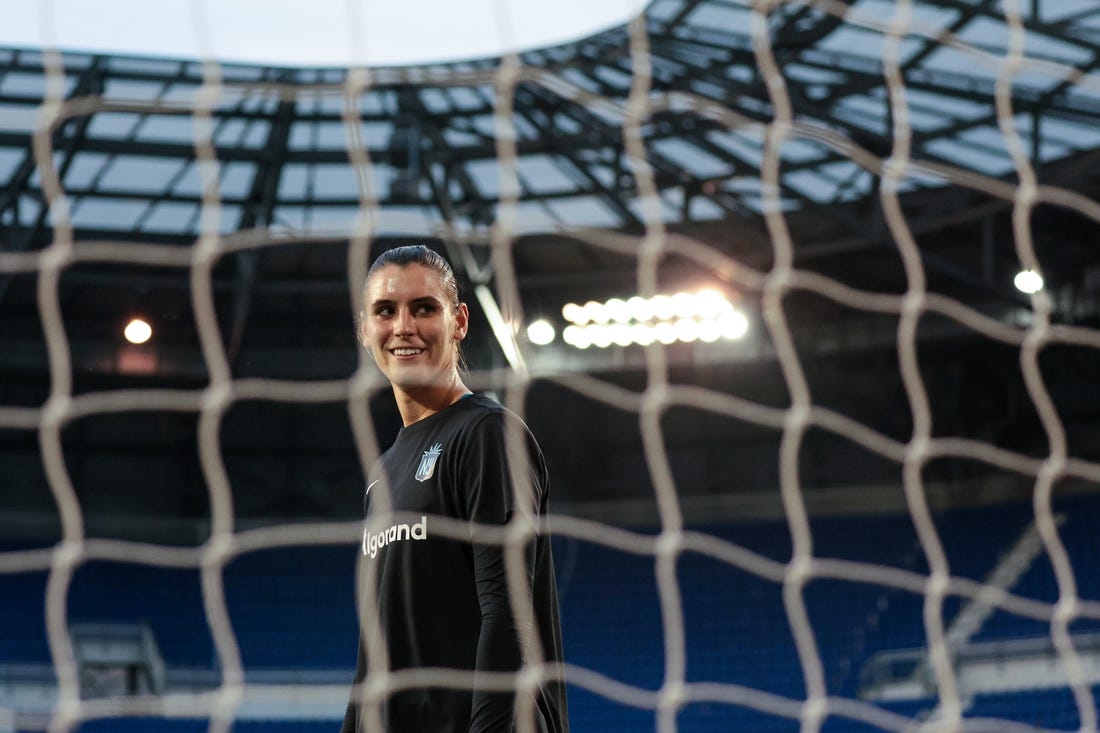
x=258, y=212
x=90, y=83
x=535, y=113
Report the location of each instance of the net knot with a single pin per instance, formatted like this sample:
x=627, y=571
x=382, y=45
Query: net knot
x=672, y=695
x=1065, y=610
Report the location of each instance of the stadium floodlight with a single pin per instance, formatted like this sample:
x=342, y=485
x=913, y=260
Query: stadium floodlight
x=706, y=315
x=710, y=330
x=600, y=335
x=665, y=332
x=662, y=307
x=687, y=329
x=577, y=336
x=596, y=312
x=137, y=331
x=734, y=325
x=684, y=305
x=711, y=304
x=540, y=332
x=574, y=313
x=620, y=334
x=618, y=310
x=1028, y=281
x=642, y=334
x=640, y=309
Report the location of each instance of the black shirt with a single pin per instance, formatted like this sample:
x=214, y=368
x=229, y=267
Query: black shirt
x=443, y=600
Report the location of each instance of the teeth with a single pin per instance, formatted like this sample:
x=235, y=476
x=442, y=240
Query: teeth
x=407, y=352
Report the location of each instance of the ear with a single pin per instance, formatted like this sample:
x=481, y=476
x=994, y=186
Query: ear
x=462, y=321
x=361, y=329
x=361, y=334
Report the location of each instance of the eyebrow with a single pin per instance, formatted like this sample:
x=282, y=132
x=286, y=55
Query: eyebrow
x=415, y=301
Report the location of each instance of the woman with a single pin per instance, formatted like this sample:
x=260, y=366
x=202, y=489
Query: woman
x=443, y=602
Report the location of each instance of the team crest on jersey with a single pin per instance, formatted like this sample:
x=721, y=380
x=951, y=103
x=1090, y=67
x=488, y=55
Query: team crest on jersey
x=427, y=462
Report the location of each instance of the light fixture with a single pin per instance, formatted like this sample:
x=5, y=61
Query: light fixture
x=137, y=331
x=596, y=312
x=620, y=334
x=642, y=334
x=640, y=309
x=685, y=316
x=711, y=304
x=573, y=313
x=577, y=336
x=661, y=307
x=687, y=329
x=1028, y=281
x=665, y=332
x=540, y=332
x=601, y=336
x=683, y=305
x=618, y=310
x=709, y=330
x=733, y=325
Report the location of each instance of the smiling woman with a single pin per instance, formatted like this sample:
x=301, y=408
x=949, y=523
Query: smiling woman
x=446, y=603
x=319, y=33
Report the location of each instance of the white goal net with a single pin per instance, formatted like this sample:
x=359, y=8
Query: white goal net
x=722, y=596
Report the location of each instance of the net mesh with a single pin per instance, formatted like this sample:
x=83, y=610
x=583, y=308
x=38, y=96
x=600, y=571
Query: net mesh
x=674, y=541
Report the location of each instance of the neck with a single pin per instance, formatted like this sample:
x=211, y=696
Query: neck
x=417, y=403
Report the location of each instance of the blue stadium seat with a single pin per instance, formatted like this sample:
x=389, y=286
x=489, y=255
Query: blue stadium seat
x=294, y=609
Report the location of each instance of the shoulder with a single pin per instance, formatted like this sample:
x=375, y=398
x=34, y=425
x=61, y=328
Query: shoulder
x=487, y=417
x=485, y=427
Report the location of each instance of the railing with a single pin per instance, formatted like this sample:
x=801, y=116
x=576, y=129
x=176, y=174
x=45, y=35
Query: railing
x=117, y=659
x=986, y=667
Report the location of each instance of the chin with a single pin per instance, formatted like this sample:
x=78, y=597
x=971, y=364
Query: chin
x=412, y=377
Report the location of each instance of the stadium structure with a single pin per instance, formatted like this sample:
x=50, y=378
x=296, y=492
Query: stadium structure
x=899, y=181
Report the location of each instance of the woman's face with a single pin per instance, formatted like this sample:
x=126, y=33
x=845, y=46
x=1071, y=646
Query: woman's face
x=411, y=327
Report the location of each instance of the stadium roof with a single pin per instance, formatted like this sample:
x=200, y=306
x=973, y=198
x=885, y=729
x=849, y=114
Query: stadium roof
x=134, y=170
x=987, y=99
x=133, y=160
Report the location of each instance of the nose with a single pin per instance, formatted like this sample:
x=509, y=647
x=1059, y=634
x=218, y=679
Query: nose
x=403, y=322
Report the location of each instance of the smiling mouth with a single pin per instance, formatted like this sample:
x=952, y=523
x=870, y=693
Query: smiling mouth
x=406, y=352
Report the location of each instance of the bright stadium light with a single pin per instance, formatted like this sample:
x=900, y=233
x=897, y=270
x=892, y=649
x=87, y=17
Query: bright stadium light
x=576, y=336
x=706, y=315
x=618, y=310
x=684, y=305
x=620, y=334
x=540, y=332
x=137, y=331
x=665, y=332
x=574, y=313
x=734, y=325
x=709, y=330
x=711, y=304
x=1028, y=281
x=687, y=329
x=600, y=335
x=642, y=334
x=596, y=312
x=661, y=307
x=640, y=309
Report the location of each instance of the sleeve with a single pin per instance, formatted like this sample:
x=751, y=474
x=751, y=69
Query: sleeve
x=490, y=499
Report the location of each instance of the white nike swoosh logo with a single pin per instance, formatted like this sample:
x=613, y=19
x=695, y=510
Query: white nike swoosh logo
x=372, y=483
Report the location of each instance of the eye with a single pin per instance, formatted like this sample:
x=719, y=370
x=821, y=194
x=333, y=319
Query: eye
x=425, y=309
x=384, y=311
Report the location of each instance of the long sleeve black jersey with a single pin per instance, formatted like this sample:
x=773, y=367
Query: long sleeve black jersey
x=441, y=594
